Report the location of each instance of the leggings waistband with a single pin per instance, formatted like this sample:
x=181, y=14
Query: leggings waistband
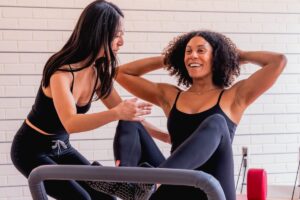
x=34, y=140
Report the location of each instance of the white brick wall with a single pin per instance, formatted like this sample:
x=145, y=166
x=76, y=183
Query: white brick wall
x=31, y=30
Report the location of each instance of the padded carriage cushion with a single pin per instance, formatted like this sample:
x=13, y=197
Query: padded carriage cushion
x=257, y=184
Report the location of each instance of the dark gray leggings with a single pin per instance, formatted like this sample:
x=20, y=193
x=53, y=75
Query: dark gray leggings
x=207, y=149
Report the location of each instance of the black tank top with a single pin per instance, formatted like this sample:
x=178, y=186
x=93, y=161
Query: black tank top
x=43, y=114
x=181, y=125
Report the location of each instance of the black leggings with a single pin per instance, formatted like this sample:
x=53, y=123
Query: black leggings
x=207, y=149
x=31, y=149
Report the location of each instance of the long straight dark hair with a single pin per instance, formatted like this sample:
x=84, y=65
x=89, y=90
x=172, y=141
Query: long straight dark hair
x=95, y=30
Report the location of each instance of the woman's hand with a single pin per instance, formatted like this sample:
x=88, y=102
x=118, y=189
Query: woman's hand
x=132, y=110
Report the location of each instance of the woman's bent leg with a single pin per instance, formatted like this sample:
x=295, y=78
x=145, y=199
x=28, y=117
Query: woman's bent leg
x=133, y=145
x=208, y=149
x=28, y=152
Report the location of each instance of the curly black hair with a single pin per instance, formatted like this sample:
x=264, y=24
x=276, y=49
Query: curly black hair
x=225, y=64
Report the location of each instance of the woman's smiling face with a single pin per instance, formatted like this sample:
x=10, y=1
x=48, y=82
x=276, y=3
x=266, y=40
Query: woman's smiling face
x=198, y=57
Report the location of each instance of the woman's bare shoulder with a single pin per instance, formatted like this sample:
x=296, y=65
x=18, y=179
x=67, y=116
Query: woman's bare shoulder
x=169, y=94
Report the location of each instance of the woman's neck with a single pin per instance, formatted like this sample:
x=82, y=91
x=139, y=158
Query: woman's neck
x=202, y=85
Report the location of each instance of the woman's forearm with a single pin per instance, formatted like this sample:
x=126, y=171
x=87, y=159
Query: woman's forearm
x=262, y=58
x=87, y=122
x=156, y=132
x=142, y=66
x=129, y=109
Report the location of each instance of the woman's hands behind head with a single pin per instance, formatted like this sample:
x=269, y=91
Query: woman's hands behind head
x=133, y=110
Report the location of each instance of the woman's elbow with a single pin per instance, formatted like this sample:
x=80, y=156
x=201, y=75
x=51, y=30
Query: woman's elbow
x=282, y=61
x=69, y=127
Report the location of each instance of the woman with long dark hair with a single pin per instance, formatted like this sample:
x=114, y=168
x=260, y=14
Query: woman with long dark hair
x=82, y=71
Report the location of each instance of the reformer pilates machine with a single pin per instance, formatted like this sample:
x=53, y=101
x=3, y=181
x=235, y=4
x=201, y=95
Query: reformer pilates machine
x=198, y=179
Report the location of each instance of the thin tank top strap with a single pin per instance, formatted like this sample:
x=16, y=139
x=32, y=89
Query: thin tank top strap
x=177, y=96
x=220, y=96
x=94, y=89
x=72, y=76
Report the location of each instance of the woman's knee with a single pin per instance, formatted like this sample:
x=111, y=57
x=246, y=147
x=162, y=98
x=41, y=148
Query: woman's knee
x=127, y=125
x=216, y=122
x=219, y=126
x=215, y=119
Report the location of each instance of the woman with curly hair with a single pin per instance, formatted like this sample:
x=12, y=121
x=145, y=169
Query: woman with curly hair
x=202, y=118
